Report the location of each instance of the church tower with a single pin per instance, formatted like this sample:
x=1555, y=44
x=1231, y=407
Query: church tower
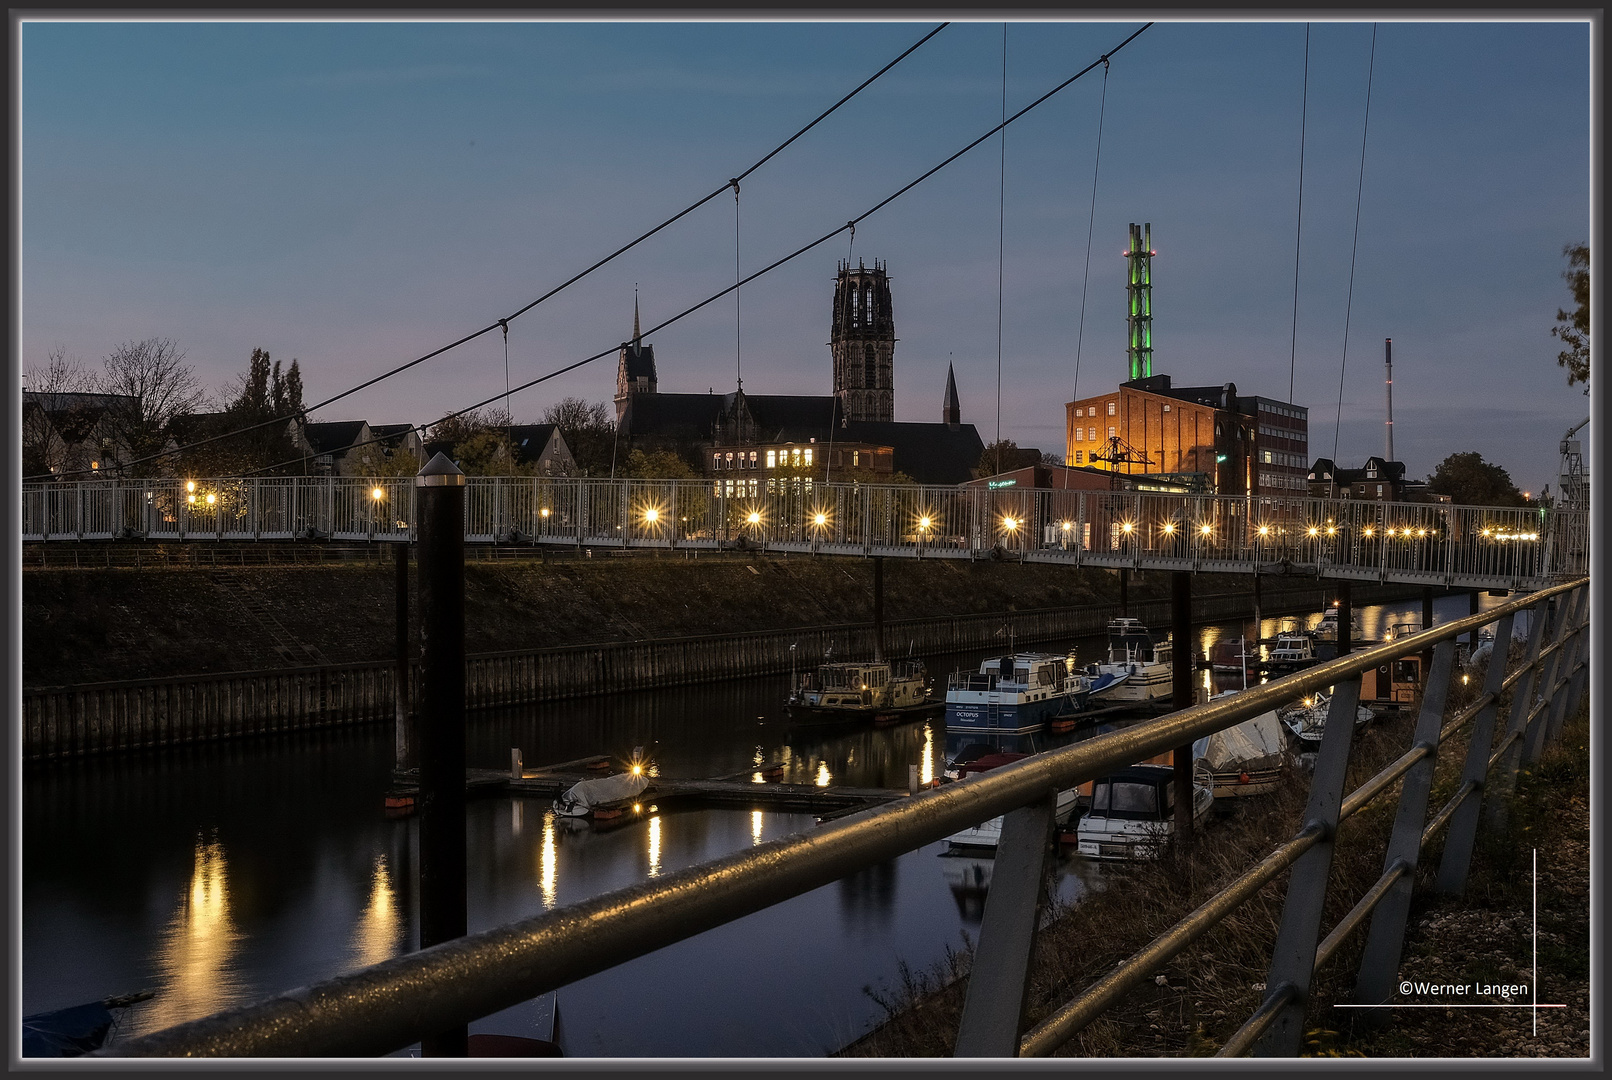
x=635, y=370
x=951, y=410
x=863, y=342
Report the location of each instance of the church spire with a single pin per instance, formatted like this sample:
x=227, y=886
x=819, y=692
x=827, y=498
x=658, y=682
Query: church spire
x=635, y=334
x=950, y=411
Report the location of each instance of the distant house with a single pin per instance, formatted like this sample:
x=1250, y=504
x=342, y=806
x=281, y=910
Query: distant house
x=391, y=439
x=542, y=446
x=331, y=445
x=1378, y=480
x=72, y=435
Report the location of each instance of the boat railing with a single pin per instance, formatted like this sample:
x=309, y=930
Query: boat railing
x=387, y=1006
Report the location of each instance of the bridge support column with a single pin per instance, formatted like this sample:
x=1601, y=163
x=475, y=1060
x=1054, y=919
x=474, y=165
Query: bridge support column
x=1346, y=617
x=442, y=720
x=1293, y=959
x=1124, y=591
x=1379, y=966
x=1182, y=670
x=400, y=677
x=993, y=1011
x=878, y=607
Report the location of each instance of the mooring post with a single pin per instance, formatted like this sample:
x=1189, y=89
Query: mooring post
x=1258, y=605
x=442, y=719
x=1379, y=966
x=1346, y=617
x=1181, y=670
x=400, y=678
x=878, y=607
x=1124, y=591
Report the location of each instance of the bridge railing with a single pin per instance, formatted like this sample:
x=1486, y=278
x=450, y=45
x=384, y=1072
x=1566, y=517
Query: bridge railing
x=1504, y=547
x=390, y=1005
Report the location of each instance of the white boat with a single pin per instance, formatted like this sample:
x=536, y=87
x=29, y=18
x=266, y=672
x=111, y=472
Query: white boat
x=875, y=690
x=1292, y=651
x=1245, y=759
x=1327, y=629
x=1132, y=814
x=1013, y=695
x=1307, y=720
x=988, y=834
x=1143, y=662
x=584, y=797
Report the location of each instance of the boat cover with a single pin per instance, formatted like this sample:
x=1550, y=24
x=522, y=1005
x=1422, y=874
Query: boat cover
x=68, y=1032
x=1252, y=743
x=587, y=794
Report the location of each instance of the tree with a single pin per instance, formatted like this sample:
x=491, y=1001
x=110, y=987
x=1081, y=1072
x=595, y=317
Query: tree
x=589, y=431
x=658, y=465
x=1470, y=481
x=251, y=399
x=1574, y=328
x=478, y=442
x=49, y=417
x=159, y=387
x=1005, y=456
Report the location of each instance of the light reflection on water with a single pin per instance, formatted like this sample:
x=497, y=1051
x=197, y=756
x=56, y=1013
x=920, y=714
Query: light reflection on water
x=550, y=860
x=380, y=927
x=195, y=961
x=654, y=846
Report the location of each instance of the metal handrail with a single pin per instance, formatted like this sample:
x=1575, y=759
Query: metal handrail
x=387, y=1006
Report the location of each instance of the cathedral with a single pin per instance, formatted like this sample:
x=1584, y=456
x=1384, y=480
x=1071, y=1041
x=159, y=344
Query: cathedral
x=851, y=433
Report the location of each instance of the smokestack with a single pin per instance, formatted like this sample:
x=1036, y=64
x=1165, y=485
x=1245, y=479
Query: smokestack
x=1388, y=359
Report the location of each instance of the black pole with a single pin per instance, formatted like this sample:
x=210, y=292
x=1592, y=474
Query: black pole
x=1472, y=635
x=1258, y=607
x=1181, y=670
x=878, y=607
x=442, y=719
x=400, y=678
x=1427, y=623
x=1124, y=591
x=1346, y=615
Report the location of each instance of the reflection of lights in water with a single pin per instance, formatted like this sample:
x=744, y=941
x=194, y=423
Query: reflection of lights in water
x=381, y=925
x=517, y=816
x=195, y=958
x=756, y=778
x=822, y=774
x=549, y=861
x=654, y=846
x=759, y=759
x=755, y=826
x=926, y=773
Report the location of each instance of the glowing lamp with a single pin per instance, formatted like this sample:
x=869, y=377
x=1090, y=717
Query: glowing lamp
x=545, y=511
x=1127, y=526
x=1204, y=529
x=651, y=515
x=211, y=498
x=1010, y=524
x=754, y=518
x=820, y=519
x=1169, y=527
x=923, y=523
x=190, y=485
x=191, y=498
x=376, y=493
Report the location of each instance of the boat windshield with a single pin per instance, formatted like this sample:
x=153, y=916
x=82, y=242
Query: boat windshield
x=1126, y=799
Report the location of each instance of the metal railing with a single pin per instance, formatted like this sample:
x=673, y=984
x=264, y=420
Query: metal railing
x=1415, y=543
x=392, y=1004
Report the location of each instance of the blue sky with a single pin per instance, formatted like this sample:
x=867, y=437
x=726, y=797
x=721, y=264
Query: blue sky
x=356, y=194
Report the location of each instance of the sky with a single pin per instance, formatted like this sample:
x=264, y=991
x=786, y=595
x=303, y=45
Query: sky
x=355, y=194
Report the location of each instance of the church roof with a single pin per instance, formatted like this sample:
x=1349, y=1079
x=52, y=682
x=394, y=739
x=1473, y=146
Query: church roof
x=691, y=416
x=929, y=453
x=775, y=413
x=638, y=361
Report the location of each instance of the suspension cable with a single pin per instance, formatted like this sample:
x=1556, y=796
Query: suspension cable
x=738, y=356
x=303, y=413
x=1091, y=222
x=1001, y=240
x=1349, y=305
x=1298, y=228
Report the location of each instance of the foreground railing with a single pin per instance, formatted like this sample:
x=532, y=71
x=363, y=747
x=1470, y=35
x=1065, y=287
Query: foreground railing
x=388, y=1006
x=1419, y=543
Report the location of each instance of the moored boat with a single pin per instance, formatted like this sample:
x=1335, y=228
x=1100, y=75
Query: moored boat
x=877, y=690
x=1245, y=759
x=987, y=834
x=1133, y=653
x=1014, y=694
x=593, y=797
x=1132, y=813
x=1293, y=651
x=1308, y=720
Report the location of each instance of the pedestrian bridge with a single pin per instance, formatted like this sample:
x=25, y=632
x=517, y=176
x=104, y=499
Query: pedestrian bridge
x=1515, y=548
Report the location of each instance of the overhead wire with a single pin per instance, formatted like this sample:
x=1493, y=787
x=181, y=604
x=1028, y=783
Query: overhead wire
x=1091, y=222
x=1001, y=242
x=1360, y=186
x=1298, y=229
x=504, y=322
x=803, y=249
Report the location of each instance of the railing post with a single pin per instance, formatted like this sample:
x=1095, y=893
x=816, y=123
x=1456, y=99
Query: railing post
x=1463, y=827
x=1522, y=695
x=1566, y=671
x=1293, y=958
x=442, y=712
x=993, y=1012
x=1534, y=730
x=1379, y=967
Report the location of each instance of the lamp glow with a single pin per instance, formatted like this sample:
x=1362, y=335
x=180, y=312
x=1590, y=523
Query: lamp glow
x=652, y=515
x=211, y=498
x=190, y=485
x=923, y=523
x=1204, y=529
x=820, y=520
x=1010, y=524
x=754, y=518
x=376, y=494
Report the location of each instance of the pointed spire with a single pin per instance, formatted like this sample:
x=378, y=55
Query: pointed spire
x=950, y=411
x=635, y=334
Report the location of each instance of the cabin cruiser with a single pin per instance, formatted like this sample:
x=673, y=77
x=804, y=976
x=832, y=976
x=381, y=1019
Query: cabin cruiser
x=1308, y=720
x=1245, y=759
x=1292, y=652
x=1014, y=694
x=839, y=692
x=1143, y=662
x=1132, y=813
x=988, y=834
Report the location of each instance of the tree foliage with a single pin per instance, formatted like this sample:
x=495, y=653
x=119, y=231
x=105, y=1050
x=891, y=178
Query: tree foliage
x=590, y=431
x=1470, y=481
x=159, y=388
x=658, y=465
x=1005, y=456
x=44, y=449
x=262, y=395
x=478, y=442
x=1573, y=328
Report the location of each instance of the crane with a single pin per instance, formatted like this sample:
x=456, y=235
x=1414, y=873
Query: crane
x=1573, y=486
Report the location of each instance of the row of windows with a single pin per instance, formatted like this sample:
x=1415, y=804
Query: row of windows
x=1284, y=410
x=1284, y=433
x=1092, y=411
x=1090, y=434
x=1277, y=457
x=1279, y=480
x=730, y=460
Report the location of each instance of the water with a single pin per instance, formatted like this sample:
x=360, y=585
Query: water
x=221, y=875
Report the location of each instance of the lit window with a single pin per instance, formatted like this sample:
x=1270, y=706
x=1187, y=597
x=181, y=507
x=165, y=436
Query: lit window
x=1080, y=434
x=772, y=459
x=808, y=455
x=1166, y=406
x=1110, y=432
x=1091, y=434
x=730, y=459
x=752, y=459
x=1079, y=457
x=1110, y=408
x=856, y=458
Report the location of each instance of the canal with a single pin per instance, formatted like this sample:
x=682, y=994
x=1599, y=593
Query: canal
x=223, y=874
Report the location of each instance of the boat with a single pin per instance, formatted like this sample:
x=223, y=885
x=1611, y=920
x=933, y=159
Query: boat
x=1132, y=813
x=988, y=834
x=1014, y=694
x=77, y=1029
x=1293, y=651
x=1230, y=656
x=1307, y=720
x=1327, y=629
x=878, y=690
x=1245, y=759
x=591, y=798
x=1132, y=652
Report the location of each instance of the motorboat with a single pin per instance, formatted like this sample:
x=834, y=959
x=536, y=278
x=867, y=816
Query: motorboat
x=1144, y=662
x=1014, y=694
x=1293, y=651
x=593, y=798
x=875, y=690
x=1245, y=759
x=1132, y=813
x=1307, y=720
x=988, y=834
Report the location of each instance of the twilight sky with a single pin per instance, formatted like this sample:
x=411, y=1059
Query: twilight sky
x=355, y=194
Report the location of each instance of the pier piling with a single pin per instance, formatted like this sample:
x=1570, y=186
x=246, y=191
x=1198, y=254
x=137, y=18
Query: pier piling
x=1181, y=673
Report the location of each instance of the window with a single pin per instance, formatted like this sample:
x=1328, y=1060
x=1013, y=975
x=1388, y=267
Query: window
x=1091, y=434
x=729, y=463
x=1110, y=408
x=772, y=459
x=1080, y=434
x=808, y=455
x=1167, y=406
x=794, y=457
x=716, y=461
x=856, y=458
x=1079, y=456
x=1267, y=458
x=1111, y=432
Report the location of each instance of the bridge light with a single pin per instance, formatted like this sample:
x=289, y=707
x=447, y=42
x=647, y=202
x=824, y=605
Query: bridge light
x=1067, y=526
x=1264, y=530
x=820, y=519
x=1127, y=527
x=211, y=498
x=651, y=515
x=1314, y=531
x=1366, y=532
x=754, y=518
x=377, y=494
x=1421, y=532
x=923, y=522
x=1010, y=523
x=191, y=498
x=1205, y=529
x=1331, y=530
x=1169, y=527
x=190, y=485
x=544, y=511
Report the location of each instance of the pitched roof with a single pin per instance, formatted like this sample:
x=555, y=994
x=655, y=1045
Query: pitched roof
x=334, y=436
x=529, y=441
x=773, y=413
x=929, y=453
x=672, y=415
x=389, y=434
